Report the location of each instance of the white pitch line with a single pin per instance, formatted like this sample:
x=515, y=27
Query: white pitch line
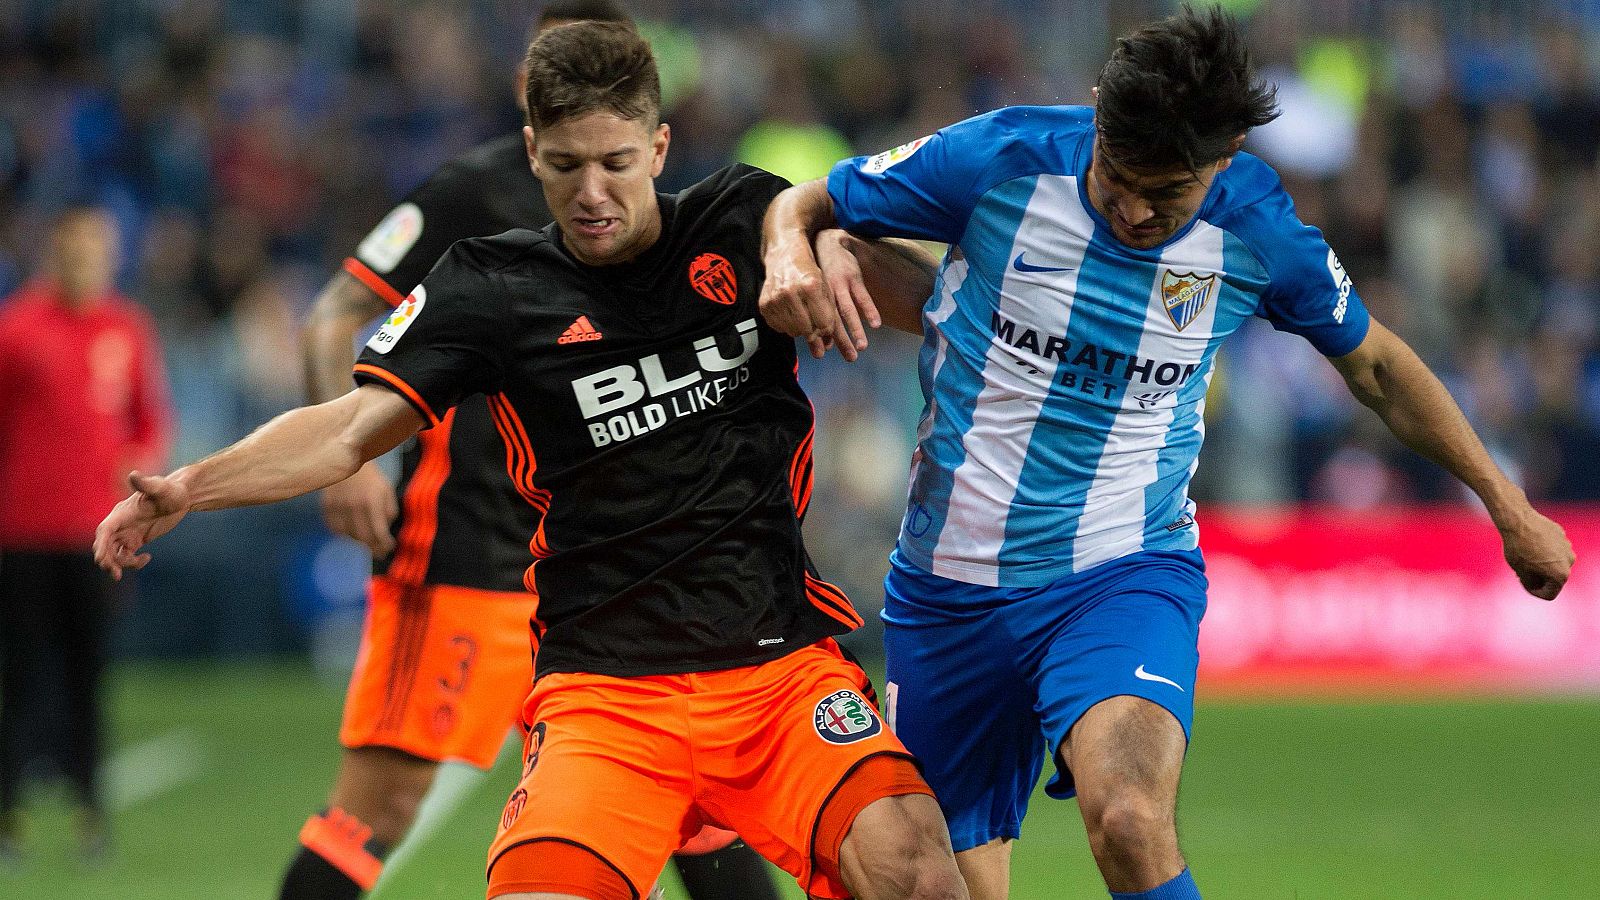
x=152, y=767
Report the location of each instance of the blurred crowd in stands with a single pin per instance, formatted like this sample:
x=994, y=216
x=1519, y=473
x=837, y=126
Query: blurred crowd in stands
x=1449, y=150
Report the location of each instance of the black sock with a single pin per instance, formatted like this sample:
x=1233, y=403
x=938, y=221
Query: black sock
x=733, y=873
x=338, y=859
x=310, y=877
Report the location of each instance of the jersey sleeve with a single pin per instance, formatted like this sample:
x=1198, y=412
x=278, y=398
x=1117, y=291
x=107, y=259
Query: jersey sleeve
x=917, y=190
x=445, y=341
x=397, y=254
x=925, y=189
x=1308, y=291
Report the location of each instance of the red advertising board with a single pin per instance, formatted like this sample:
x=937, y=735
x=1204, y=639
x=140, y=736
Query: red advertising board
x=1403, y=599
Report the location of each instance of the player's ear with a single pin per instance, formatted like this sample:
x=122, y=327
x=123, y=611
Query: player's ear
x=658, y=149
x=1233, y=148
x=533, y=158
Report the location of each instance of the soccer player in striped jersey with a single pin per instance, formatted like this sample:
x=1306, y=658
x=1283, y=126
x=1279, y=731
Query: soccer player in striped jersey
x=1047, y=581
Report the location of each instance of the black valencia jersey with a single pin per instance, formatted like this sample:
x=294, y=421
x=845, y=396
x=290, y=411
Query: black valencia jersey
x=654, y=422
x=461, y=522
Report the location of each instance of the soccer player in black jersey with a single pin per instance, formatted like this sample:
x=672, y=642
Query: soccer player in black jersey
x=687, y=672
x=445, y=660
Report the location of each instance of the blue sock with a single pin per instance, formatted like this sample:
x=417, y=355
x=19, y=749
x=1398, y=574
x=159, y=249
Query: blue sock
x=1179, y=888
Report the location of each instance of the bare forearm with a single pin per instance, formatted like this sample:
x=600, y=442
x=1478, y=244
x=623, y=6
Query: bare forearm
x=302, y=450
x=795, y=217
x=328, y=342
x=1422, y=414
x=295, y=453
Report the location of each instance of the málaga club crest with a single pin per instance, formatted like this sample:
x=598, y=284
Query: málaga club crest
x=1185, y=295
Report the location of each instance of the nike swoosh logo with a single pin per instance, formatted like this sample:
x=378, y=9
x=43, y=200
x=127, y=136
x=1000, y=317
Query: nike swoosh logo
x=1142, y=675
x=1021, y=266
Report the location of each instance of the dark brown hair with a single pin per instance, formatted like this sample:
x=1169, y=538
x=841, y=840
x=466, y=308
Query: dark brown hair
x=588, y=67
x=1179, y=91
x=583, y=11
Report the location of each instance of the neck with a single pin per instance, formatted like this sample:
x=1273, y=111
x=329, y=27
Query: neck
x=78, y=297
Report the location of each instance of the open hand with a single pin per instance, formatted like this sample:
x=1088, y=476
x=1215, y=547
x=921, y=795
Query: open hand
x=157, y=504
x=841, y=272
x=362, y=507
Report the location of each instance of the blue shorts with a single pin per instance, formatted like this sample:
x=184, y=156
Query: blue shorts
x=983, y=681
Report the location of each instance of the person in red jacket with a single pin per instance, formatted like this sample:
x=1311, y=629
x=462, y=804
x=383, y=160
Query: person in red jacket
x=83, y=401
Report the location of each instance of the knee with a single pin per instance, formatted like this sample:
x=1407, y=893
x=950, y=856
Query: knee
x=394, y=813
x=922, y=874
x=900, y=848
x=928, y=871
x=1128, y=820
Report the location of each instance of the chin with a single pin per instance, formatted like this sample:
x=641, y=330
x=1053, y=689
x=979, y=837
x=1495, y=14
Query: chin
x=1144, y=242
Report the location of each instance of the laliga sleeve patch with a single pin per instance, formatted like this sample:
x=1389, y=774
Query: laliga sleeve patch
x=393, y=327
x=394, y=237
x=881, y=163
x=844, y=717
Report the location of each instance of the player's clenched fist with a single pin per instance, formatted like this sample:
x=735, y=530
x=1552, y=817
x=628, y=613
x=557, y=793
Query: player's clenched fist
x=156, y=505
x=1540, y=553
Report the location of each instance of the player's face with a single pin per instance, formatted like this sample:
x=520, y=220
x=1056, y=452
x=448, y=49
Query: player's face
x=599, y=175
x=1147, y=206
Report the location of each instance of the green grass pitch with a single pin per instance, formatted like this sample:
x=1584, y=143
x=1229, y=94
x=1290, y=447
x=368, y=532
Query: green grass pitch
x=218, y=766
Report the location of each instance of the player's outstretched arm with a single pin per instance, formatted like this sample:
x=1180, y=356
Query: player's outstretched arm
x=364, y=505
x=298, y=452
x=1388, y=377
x=886, y=279
x=794, y=297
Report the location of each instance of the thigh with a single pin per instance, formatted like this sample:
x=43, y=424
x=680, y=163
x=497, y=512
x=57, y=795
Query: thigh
x=956, y=699
x=607, y=777
x=1136, y=635
x=442, y=671
x=777, y=745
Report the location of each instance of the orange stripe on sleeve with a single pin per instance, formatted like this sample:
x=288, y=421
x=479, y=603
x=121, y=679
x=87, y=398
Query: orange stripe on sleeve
x=366, y=276
x=400, y=387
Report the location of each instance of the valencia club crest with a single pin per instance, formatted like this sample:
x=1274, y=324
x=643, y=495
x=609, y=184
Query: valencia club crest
x=713, y=278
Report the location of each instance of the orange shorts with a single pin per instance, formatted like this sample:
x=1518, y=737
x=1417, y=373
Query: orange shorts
x=442, y=671
x=620, y=772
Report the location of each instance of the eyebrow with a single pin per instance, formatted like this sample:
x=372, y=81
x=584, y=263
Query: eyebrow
x=1121, y=175
x=614, y=154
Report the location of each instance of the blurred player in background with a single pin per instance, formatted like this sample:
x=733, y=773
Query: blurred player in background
x=687, y=671
x=83, y=401
x=445, y=661
x=1047, y=577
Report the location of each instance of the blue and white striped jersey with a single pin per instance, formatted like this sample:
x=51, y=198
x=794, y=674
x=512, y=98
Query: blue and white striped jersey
x=1064, y=373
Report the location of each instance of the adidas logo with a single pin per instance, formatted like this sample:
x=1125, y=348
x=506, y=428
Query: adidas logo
x=578, y=332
